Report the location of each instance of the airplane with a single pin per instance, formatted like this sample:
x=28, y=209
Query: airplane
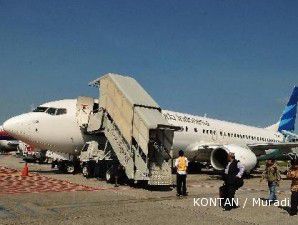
x=7, y=142
x=53, y=126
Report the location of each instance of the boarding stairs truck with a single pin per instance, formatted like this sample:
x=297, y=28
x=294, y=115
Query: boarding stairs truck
x=136, y=134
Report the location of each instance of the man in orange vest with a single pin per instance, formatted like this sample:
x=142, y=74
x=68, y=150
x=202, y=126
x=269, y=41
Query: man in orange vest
x=181, y=165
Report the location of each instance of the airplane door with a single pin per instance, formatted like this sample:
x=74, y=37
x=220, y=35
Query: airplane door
x=214, y=135
x=84, y=108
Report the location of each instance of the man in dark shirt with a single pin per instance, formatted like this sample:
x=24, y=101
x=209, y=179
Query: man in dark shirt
x=233, y=178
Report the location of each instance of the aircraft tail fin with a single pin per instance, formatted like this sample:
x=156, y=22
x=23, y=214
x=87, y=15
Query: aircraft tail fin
x=288, y=117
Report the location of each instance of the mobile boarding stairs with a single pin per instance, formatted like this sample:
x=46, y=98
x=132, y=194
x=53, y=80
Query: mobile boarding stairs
x=132, y=122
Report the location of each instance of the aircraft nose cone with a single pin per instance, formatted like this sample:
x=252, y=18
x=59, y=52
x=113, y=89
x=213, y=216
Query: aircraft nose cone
x=18, y=126
x=11, y=126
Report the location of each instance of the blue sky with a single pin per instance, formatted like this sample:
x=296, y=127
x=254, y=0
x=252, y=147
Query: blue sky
x=234, y=60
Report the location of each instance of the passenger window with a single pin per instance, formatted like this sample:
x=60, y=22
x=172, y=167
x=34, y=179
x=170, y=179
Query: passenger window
x=61, y=111
x=220, y=133
x=186, y=129
x=195, y=129
x=203, y=131
x=51, y=111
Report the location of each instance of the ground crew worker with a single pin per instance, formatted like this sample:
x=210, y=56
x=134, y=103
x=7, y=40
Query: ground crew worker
x=293, y=175
x=233, y=180
x=181, y=165
x=272, y=175
x=117, y=170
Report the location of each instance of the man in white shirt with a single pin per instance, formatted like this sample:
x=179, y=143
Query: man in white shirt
x=181, y=165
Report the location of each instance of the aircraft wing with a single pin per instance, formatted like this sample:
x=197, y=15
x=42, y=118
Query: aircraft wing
x=259, y=149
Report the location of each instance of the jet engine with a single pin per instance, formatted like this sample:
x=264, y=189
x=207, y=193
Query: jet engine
x=219, y=157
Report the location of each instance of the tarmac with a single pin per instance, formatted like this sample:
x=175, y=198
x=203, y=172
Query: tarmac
x=49, y=197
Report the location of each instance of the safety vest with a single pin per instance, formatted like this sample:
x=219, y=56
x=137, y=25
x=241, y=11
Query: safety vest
x=181, y=164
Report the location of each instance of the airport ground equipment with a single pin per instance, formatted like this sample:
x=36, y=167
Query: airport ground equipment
x=97, y=159
x=139, y=136
x=64, y=162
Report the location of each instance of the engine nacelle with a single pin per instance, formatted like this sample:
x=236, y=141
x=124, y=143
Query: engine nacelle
x=219, y=157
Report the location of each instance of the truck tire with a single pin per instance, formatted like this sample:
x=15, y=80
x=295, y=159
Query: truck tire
x=86, y=170
x=61, y=167
x=70, y=168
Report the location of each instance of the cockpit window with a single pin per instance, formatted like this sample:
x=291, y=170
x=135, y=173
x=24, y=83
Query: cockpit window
x=51, y=111
x=61, y=111
x=40, y=109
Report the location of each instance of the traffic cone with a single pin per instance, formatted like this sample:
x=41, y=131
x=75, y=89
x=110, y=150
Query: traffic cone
x=25, y=171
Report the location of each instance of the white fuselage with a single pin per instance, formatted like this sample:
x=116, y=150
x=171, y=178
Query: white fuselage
x=61, y=133
x=198, y=130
